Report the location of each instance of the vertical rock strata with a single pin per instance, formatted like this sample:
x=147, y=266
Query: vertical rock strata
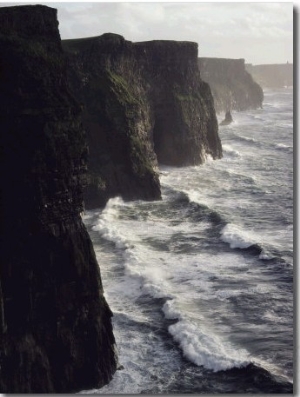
x=55, y=325
x=144, y=103
x=233, y=88
x=105, y=77
x=184, y=129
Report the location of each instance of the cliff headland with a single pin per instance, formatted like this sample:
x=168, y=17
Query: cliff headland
x=272, y=76
x=144, y=104
x=100, y=114
x=233, y=88
x=55, y=325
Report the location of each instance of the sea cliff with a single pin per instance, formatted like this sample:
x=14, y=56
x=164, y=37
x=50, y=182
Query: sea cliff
x=233, y=88
x=144, y=105
x=55, y=325
x=137, y=105
x=272, y=76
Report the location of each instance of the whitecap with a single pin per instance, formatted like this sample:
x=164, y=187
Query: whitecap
x=236, y=237
x=204, y=348
x=230, y=152
x=170, y=311
x=282, y=146
x=248, y=139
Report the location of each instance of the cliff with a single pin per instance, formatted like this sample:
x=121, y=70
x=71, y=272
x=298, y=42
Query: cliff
x=144, y=104
x=185, y=128
x=55, y=325
x=272, y=76
x=233, y=88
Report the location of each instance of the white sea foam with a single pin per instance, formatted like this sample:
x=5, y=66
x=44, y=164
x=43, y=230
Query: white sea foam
x=246, y=138
x=208, y=157
x=162, y=253
x=282, y=146
x=236, y=237
x=106, y=226
x=202, y=347
x=265, y=255
x=171, y=312
x=230, y=152
x=86, y=215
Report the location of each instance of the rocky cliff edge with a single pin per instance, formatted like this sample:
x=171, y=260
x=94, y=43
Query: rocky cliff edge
x=144, y=104
x=55, y=325
x=233, y=88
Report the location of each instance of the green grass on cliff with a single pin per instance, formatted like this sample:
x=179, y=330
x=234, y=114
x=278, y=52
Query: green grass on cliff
x=109, y=95
x=122, y=89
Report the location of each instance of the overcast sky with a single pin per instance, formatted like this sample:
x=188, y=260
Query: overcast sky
x=258, y=32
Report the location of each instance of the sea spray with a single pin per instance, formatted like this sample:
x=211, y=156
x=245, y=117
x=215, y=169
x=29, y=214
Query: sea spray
x=200, y=282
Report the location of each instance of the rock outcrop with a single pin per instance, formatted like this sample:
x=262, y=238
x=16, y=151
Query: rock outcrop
x=228, y=119
x=232, y=86
x=272, y=76
x=144, y=104
x=55, y=325
x=105, y=78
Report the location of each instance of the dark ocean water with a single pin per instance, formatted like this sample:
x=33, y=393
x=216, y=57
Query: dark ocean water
x=201, y=283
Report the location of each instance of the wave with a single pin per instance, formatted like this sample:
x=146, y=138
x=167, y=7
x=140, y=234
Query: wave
x=201, y=346
x=153, y=280
x=237, y=237
x=205, y=349
x=282, y=146
x=247, y=139
x=230, y=152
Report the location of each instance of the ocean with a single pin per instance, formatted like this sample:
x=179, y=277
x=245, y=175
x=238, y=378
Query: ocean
x=201, y=282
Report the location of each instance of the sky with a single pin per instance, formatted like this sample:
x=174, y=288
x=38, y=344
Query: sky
x=259, y=32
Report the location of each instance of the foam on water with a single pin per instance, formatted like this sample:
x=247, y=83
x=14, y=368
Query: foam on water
x=236, y=237
x=222, y=306
x=230, y=152
x=201, y=345
x=204, y=348
x=282, y=146
x=263, y=240
x=165, y=275
x=247, y=139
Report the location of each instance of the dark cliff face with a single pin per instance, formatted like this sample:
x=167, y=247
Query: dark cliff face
x=144, y=103
x=55, y=325
x=105, y=78
x=272, y=76
x=233, y=88
x=184, y=126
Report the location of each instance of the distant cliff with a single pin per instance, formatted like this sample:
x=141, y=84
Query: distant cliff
x=272, y=76
x=233, y=88
x=144, y=104
x=55, y=325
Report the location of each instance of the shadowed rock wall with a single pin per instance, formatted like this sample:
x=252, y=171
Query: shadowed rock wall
x=104, y=76
x=272, y=76
x=233, y=88
x=185, y=127
x=144, y=103
x=55, y=325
